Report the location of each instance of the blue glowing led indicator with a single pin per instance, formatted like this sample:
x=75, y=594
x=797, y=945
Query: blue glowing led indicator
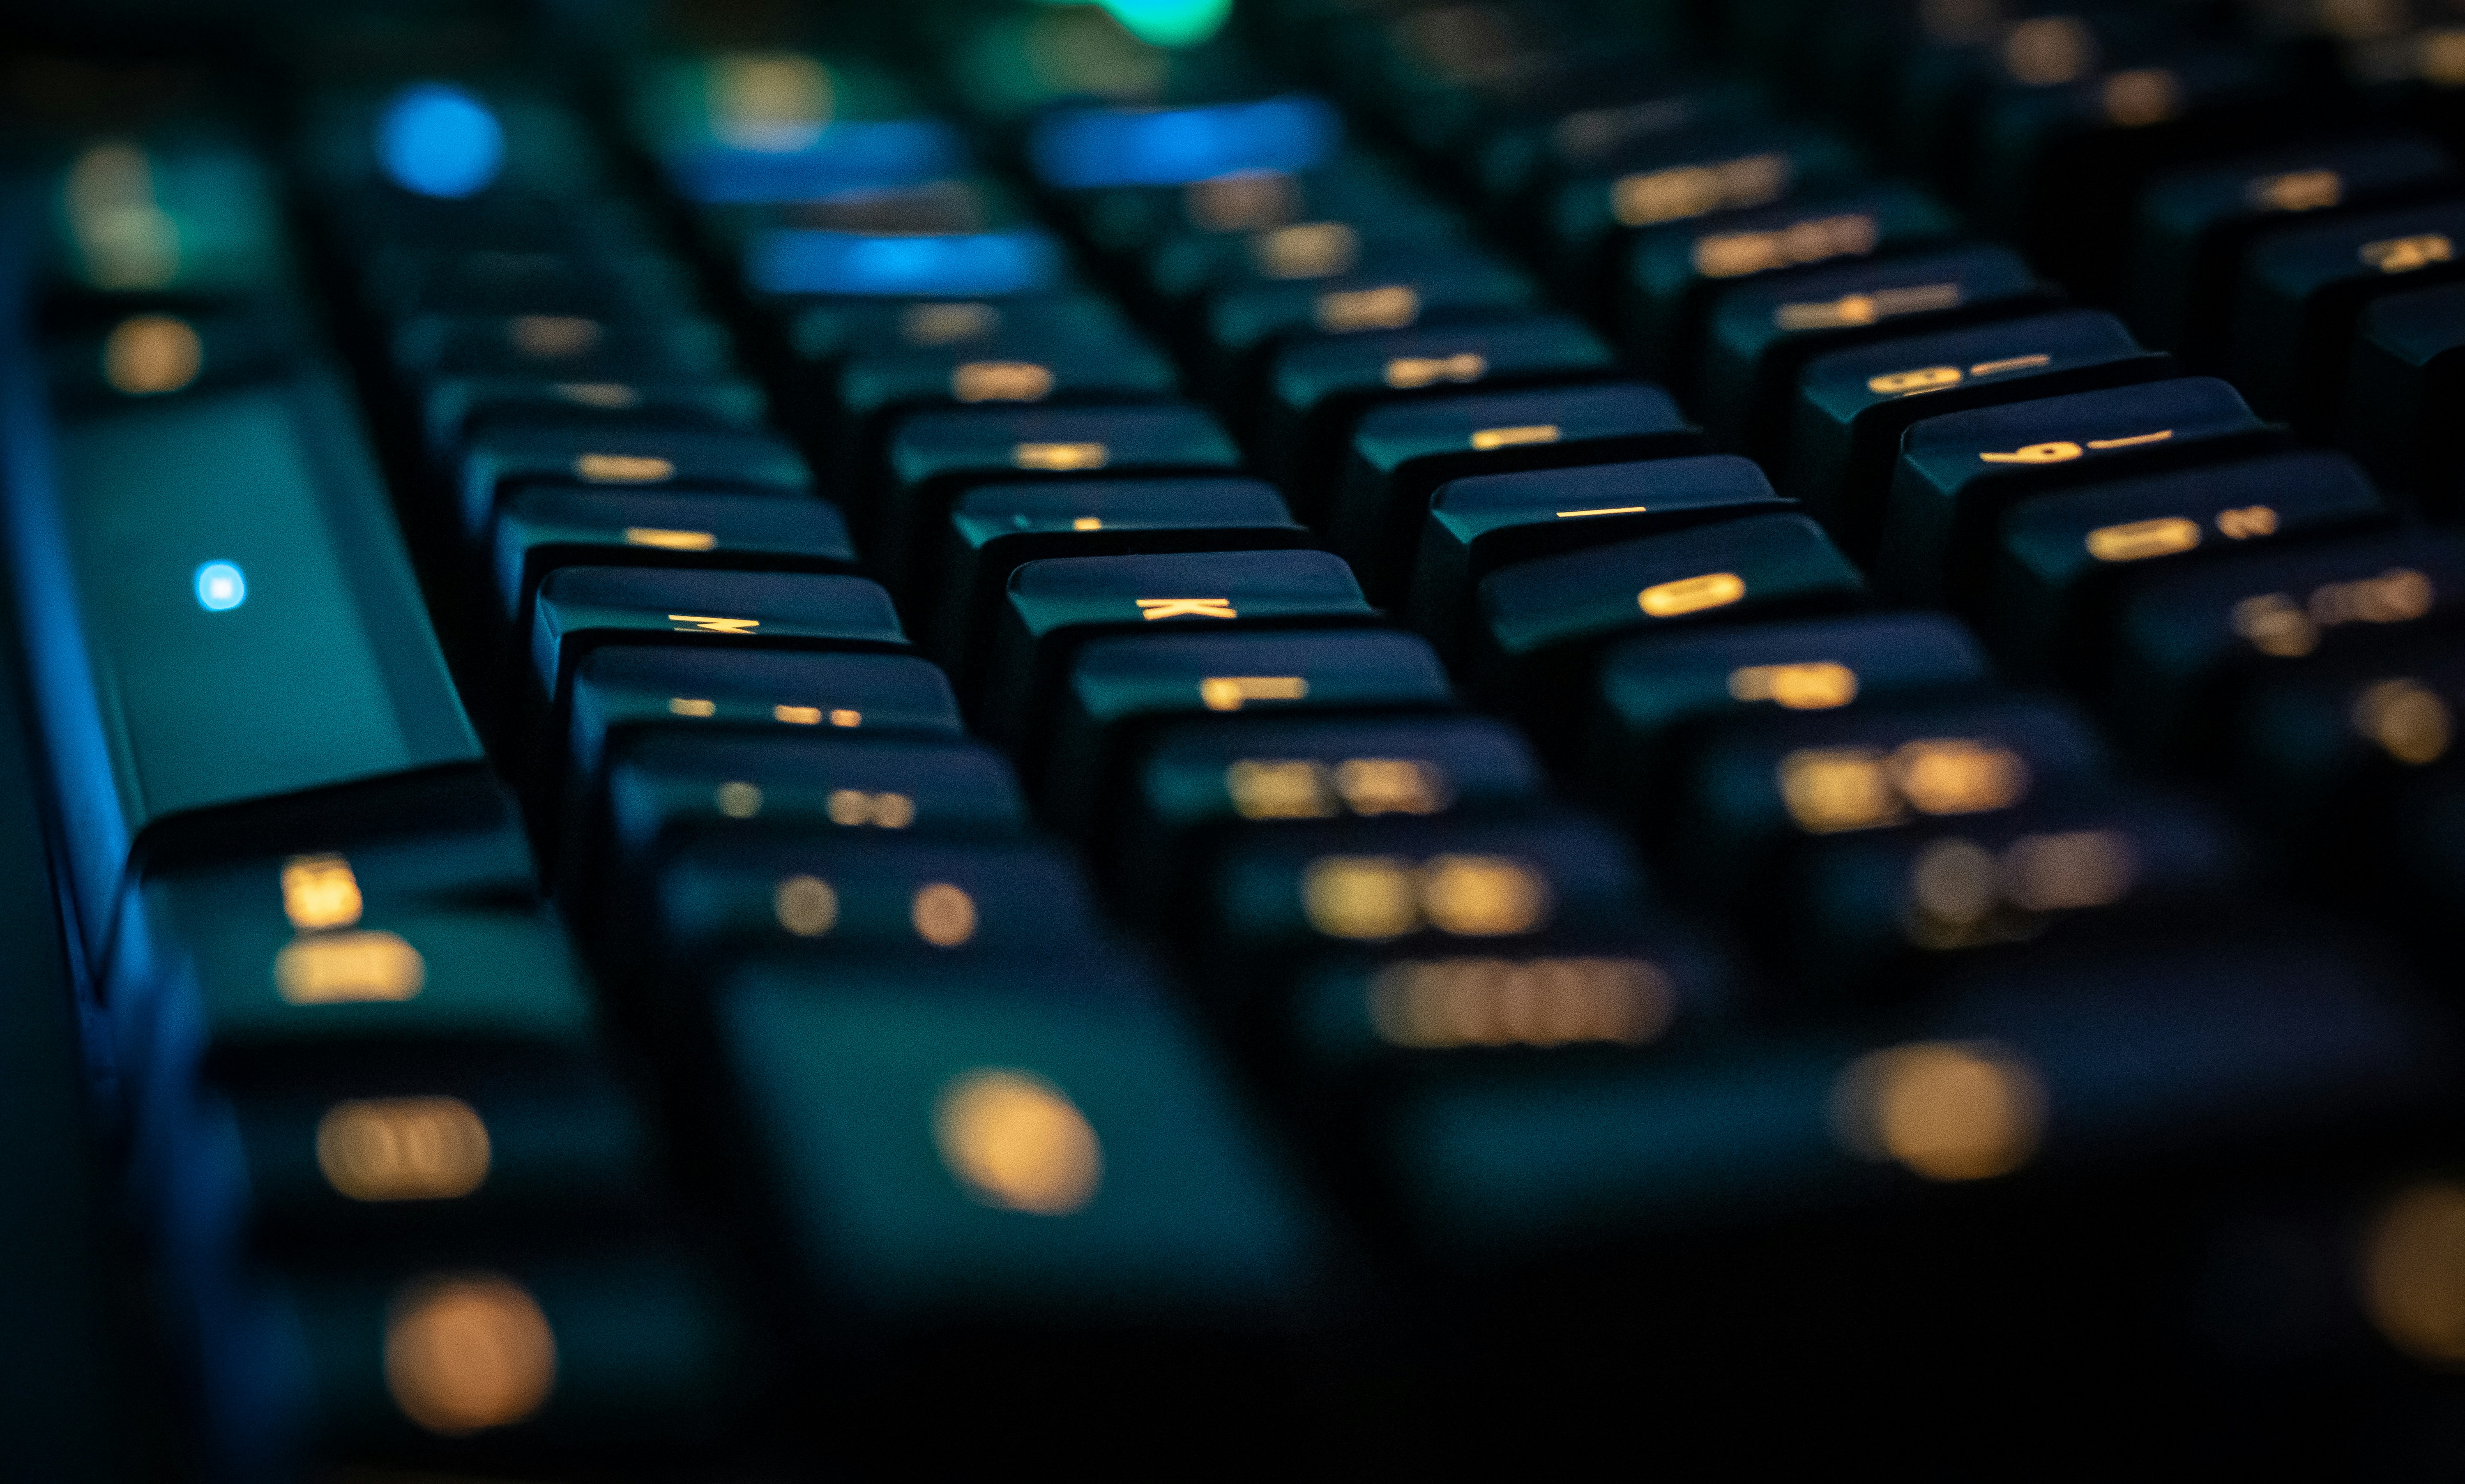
x=439, y=141
x=220, y=588
x=800, y=260
x=1077, y=149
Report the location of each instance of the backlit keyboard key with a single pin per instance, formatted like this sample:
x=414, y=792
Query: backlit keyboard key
x=1403, y=451
x=1479, y=524
x=2303, y=286
x=1539, y=626
x=1853, y=406
x=543, y=529
x=1958, y=474
x=500, y=459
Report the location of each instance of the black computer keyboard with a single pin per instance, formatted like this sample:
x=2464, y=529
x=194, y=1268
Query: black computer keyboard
x=1416, y=736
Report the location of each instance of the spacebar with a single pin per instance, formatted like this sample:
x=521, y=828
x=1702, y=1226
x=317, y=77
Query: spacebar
x=223, y=628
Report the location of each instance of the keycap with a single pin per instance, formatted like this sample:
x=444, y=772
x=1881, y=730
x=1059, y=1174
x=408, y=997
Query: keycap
x=2061, y=164
x=1238, y=329
x=998, y=528
x=2186, y=639
x=2196, y=224
x=627, y=1351
x=1022, y=361
x=560, y=348
x=664, y=781
x=933, y=456
x=1476, y=1013
x=1116, y=686
x=1957, y=473
x=454, y=405
x=1053, y=606
x=1479, y=524
x=1319, y=389
x=1421, y=885
x=1752, y=783
x=945, y=243
x=879, y=1111
x=2302, y=287
x=384, y=1154
x=1759, y=336
x=545, y=528
x=248, y=629
x=832, y=123
x=1868, y=918
x=582, y=607
x=844, y=898
x=2057, y=554
x=2328, y=753
x=1500, y=1169
x=1131, y=222
x=503, y=459
x=1668, y=275
x=2402, y=372
x=1656, y=687
x=1622, y=178
x=1320, y=245
x=1201, y=780
x=1403, y=451
x=1539, y=626
x=1853, y=406
x=615, y=687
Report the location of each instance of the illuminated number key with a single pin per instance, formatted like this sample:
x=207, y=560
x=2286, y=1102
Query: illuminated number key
x=1401, y=452
x=1118, y=686
x=1476, y=525
x=1958, y=474
x=1754, y=781
x=2060, y=556
x=930, y=456
x=996, y=529
x=2188, y=640
x=1666, y=278
x=2304, y=287
x=2196, y=225
x=1262, y=769
x=543, y=529
x=1316, y=389
x=1054, y=606
x=1537, y=625
x=1016, y=1140
x=1760, y=334
x=618, y=458
x=1851, y=406
x=1655, y=685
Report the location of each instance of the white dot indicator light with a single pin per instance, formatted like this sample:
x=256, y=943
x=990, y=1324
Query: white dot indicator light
x=220, y=588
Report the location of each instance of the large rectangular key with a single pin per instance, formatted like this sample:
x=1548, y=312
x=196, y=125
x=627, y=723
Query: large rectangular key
x=221, y=618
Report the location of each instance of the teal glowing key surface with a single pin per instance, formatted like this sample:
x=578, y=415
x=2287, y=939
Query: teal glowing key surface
x=797, y=740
